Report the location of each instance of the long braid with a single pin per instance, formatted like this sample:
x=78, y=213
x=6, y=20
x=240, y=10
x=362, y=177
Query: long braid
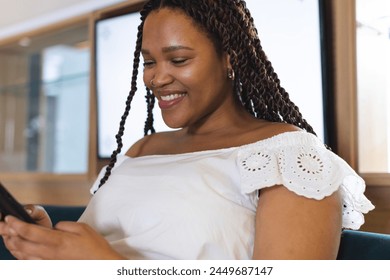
x=292, y=113
x=122, y=123
x=230, y=26
x=258, y=85
x=150, y=100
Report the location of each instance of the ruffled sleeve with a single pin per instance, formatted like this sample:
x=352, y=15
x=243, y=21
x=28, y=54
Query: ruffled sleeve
x=301, y=162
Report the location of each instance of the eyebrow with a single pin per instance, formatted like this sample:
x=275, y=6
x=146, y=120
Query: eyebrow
x=169, y=49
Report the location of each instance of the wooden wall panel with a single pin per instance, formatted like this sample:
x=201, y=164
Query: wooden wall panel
x=378, y=220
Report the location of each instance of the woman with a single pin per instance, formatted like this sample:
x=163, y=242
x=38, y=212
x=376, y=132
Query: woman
x=243, y=176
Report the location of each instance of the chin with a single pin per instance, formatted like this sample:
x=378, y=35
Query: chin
x=173, y=126
x=173, y=123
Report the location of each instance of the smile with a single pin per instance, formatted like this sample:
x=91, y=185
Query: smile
x=172, y=97
x=169, y=101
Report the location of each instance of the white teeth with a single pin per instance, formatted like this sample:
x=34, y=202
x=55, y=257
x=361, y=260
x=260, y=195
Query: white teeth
x=171, y=97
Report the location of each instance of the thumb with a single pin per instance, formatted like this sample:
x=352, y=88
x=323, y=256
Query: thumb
x=39, y=214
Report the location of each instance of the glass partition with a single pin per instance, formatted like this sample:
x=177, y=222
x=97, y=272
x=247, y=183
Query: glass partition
x=44, y=101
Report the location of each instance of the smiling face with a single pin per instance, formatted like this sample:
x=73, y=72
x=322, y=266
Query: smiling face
x=183, y=69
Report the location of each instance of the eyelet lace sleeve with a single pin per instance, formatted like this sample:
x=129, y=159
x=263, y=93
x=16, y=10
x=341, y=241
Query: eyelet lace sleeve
x=301, y=162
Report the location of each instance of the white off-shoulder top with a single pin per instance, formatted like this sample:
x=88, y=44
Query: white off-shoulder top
x=202, y=205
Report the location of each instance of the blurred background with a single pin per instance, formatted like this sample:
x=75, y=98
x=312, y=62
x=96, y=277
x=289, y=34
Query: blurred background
x=65, y=67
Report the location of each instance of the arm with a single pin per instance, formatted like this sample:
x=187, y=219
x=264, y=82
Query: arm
x=289, y=226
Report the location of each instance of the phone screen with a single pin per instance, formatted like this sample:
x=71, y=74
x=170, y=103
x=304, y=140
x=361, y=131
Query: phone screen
x=10, y=206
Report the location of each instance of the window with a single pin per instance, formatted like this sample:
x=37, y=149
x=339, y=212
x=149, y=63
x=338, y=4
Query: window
x=373, y=84
x=44, y=101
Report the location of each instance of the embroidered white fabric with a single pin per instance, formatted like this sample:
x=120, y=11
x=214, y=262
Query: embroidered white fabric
x=302, y=163
x=202, y=205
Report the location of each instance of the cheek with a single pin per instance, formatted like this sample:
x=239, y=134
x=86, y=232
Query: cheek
x=201, y=76
x=146, y=77
x=188, y=73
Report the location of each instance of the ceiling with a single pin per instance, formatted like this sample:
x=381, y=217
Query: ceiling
x=13, y=12
x=19, y=16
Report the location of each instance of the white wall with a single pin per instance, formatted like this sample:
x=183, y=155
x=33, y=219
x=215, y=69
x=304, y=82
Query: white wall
x=373, y=66
x=19, y=16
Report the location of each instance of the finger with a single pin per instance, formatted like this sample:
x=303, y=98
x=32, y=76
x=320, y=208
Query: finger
x=23, y=249
x=3, y=229
x=72, y=227
x=18, y=255
x=21, y=256
x=6, y=242
x=39, y=214
x=8, y=231
x=29, y=208
x=31, y=232
x=37, y=242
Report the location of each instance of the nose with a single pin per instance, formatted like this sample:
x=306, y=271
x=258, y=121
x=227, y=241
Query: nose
x=160, y=77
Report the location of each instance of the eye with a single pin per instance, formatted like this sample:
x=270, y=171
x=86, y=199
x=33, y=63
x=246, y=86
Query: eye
x=148, y=63
x=179, y=61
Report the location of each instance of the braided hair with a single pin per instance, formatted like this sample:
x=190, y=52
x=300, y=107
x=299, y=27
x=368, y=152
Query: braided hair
x=230, y=26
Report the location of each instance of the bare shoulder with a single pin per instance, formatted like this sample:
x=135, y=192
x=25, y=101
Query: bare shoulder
x=137, y=147
x=269, y=129
x=175, y=142
x=149, y=144
x=273, y=129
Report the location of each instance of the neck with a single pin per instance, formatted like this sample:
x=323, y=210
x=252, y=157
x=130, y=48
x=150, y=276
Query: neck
x=221, y=123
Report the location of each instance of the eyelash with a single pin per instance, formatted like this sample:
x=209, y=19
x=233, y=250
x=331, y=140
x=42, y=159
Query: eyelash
x=179, y=60
x=148, y=63
x=176, y=61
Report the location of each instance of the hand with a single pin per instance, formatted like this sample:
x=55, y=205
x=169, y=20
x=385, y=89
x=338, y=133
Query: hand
x=39, y=214
x=67, y=241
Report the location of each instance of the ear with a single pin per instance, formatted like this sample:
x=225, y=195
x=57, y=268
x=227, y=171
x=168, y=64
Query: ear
x=229, y=67
x=226, y=59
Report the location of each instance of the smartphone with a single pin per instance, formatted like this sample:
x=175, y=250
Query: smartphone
x=10, y=206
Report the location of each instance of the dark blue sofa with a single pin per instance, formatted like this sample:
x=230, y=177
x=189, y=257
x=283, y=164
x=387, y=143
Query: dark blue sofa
x=362, y=245
x=355, y=245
